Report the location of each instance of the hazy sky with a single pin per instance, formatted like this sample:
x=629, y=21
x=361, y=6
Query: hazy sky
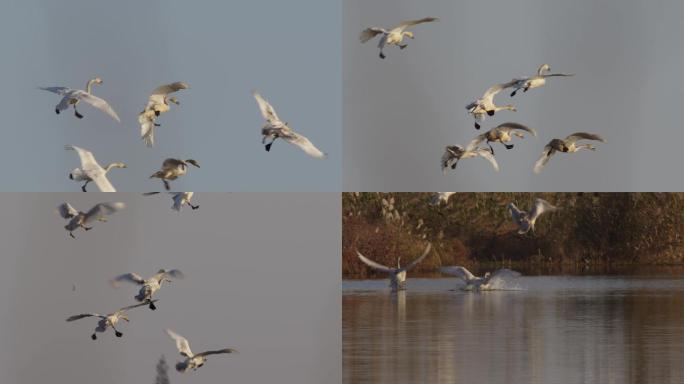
x=224, y=50
x=401, y=112
x=262, y=275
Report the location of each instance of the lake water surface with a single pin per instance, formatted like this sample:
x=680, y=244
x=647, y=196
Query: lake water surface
x=550, y=329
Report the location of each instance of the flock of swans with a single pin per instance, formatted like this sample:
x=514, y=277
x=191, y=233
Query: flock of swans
x=158, y=103
x=148, y=287
x=485, y=106
x=524, y=220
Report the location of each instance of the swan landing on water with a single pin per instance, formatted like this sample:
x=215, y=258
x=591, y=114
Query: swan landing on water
x=397, y=275
x=487, y=282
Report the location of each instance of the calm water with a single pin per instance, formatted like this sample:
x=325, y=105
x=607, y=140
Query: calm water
x=551, y=329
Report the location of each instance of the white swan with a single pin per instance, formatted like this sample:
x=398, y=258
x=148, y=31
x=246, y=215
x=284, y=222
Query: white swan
x=484, y=106
x=502, y=134
x=479, y=283
x=71, y=97
x=539, y=80
x=179, y=199
x=454, y=153
x=173, y=169
x=394, y=35
x=92, y=171
x=192, y=361
x=79, y=219
x=275, y=129
x=148, y=286
x=397, y=275
x=157, y=104
x=107, y=321
x=441, y=197
x=526, y=220
x=567, y=145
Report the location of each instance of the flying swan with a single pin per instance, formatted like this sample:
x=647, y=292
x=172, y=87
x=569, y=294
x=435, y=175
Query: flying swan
x=397, y=275
x=484, y=106
x=173, y=169
x=192, y=361
x=567, y=145
x=148, y=286
x=92, y=171
x=526, y=220
x=275, y=129
x=393, y=36
x=79, y=219
x=107, y=321
x=157, y=104
x=527, y=83
x=502, y=134
x=71, y=97
x=454, y=153
x=479, y=283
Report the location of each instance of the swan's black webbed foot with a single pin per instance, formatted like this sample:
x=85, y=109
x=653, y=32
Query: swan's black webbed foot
x=156, y=113
x=477, y=126
x=193, y=206
x=87, y=228
x=57, y=111
x=491, y=113
x=118, y=334
x=157, y=125
x=152, y=306
x=402, y=47
x=166, y=185
x=93, y=336
x=268, y=146
x=382, y=55
x=72, y=235
x=77, y=114
x=509, y=146
x=83, y=188
x=514, y=92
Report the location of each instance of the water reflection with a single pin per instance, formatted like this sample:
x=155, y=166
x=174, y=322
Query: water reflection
x=554, y=330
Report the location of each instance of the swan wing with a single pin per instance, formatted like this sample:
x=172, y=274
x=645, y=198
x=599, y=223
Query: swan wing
x=415, y=262
x=516, y=214
x=482, y=152
x=373, y=264
x=67, y=211
x=305, y=145
x=370, y=33
x=58, y=90
x=103, y=209
x=267, y=111
x=510, y=126
x=87, y=158
x=541, y=206
x=159, y=93
x=96, y=102
x=584, y=136
x=410, y=23
x=124, y=309
x=84, y=315
x=216, y=352
x=457, y=271
x=544, y=159
x=146, y=128
x=493, y=90
x=129, y=278
x=181, y=343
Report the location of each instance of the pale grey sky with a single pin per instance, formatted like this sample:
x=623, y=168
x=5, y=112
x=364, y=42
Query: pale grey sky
x=289, y=51
x=262, y=275
x=401, y=112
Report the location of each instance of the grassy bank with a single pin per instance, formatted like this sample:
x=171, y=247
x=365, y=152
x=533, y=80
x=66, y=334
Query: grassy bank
x=592, y=230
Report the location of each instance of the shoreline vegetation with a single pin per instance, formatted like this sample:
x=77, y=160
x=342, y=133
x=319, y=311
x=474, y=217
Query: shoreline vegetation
x=592, y=233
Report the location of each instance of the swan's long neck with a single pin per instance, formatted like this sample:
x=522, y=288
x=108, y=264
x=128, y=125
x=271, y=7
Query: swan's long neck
x=89, y=86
